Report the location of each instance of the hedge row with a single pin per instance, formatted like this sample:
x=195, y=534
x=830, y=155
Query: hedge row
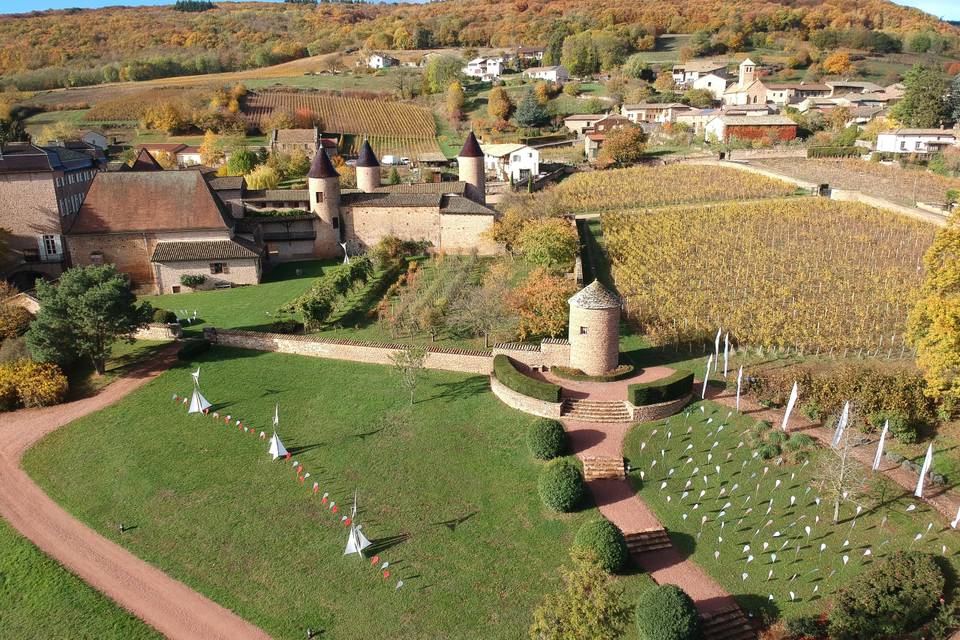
x=834, y=152
x=673, y=387
x=622, y=371
x=510, y=377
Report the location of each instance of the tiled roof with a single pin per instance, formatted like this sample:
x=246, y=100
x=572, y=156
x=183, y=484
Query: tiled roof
x=471, y=148
x=461, y=205
x=296, y=136
x=280, y=195
x=757, y=121
x=144, y=162
x=380, y=199
x=322, y=167
x=367, y=157
x=926, y=132
x=227, y=183
x=23, y=157
x=202, y=250
x=586, y=117
x=595, y=296
x=457, y=187
x=700, y=66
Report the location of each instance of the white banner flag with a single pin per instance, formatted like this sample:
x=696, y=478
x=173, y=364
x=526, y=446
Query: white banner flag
x=716, y=349
x=726, y=352
x=739, y=385
x=923, y=472
x=792, y=401
x=841, y=424
x=706, y=378
x=883, y=436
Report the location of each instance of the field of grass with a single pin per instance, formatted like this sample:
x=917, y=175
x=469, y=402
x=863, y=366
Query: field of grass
x=447, y=494
x=735, y=504
x=41, y=599
x=123, y=355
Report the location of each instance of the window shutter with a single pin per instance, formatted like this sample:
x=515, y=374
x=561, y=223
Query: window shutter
x=226, y=267
x=43, y=248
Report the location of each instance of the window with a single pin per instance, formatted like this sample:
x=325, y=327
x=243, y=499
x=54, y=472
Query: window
x=583, y=331
x=49, y=246
x=176, y=289
x=58, y=181
x=903, y=145
x=96, y=258
x=218, y=267
x=336, y=222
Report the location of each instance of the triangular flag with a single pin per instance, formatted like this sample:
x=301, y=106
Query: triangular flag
x=883, y=435
x=927, y=461
x=198, y=404
x=794, y=393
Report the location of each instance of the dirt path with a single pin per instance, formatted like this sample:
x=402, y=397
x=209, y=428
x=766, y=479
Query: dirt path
x=166, y=604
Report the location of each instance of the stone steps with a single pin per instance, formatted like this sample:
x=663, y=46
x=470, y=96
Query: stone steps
x=729, y=624
x=595, y=411
x=601, y=467
x=645, y=541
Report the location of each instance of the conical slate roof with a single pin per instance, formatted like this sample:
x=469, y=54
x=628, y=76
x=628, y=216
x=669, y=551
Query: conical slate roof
x=367, y=157
x=471, y=148
x=594, y=296
x=322, y=167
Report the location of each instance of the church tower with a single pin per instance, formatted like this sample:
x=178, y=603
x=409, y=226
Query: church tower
x=368, y=169
x=323, y=183
x=470, y=163
x=747, y=74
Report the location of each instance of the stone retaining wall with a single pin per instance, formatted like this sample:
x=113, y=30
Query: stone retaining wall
x=651, y=412
x=524, y=403
x=462, y=360
x=159, y=331
x=551, y=352
x=846, y=195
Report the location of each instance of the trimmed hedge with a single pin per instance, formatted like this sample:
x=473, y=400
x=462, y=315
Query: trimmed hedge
x=622, y=371
x=193, y=348
x=834, y=152
x=164, y=317
x=606, y=541
x=561, y=485
x=546, y=439
x=512, y=378
x=673, y=387
x=666, y=612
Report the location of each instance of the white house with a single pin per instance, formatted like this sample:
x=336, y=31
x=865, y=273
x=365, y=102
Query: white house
x=687, y=73
x=715, y=84
x=550, y=74
x=381, y=61
x=916, y=140
x=484, y=68
x=652, y=111
x=517, y=162
x=529, y=54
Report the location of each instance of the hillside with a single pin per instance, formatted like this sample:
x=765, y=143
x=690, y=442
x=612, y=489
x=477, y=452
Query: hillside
x=80, y=47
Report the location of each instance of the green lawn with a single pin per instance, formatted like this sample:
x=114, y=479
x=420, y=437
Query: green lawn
x=250, y=307
x=41, y=599
x=655, y=449
x=447, y=495
x=123, y=355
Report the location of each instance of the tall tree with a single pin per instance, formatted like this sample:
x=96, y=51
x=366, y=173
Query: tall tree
x=455, y=100
x=841, y=474
x=580, y=55
x=623, y=146
x=211, y=151
x=530, y=113
x=441, y=70
x=924, y=98
x=83, y=314
x=499, y=105
x=541, y=304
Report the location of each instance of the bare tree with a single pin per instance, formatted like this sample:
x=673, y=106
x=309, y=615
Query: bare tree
x=409, y=365
x=484, y=310
x=841, y=475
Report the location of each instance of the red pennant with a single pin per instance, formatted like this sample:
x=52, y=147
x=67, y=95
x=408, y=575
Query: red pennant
x=226, y=420
x=206, y=411
x=300, y=478
x=300, y=468
x=374, y=559
x=334, y=508
x=288, y=455
x=324, y=501
x=316, y=489
x=346, y=522
x=386, y=574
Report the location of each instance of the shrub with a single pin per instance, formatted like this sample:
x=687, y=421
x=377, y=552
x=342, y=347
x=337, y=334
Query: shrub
x=901, y=427
x=14, y=321
x=622, y=371
x=888, y=600
x=39, y=384
x=164, y=317
x=673, y=387
x=605, y=540
x=192, y=280
x=13, y=349
x=561, y=485
x=666, y=612
x=776, y=437
x=894, y=457
x=768, y=451
x=834, y=152
x=512, y=378
x=546, y=439
x=806, y=627
x=8, y=389
x=192, y=349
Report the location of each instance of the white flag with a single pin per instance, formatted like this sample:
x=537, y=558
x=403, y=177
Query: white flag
x=739, y=385
x=276, y=416
x=726, y=352
x=879, y=456
x=792, y=401
x=841, y=424
x=923, y=472
x=706, y=378
x=196, y=376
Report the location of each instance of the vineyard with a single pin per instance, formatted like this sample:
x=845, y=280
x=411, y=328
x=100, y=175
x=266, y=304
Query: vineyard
x=131, y=106
x=665, y=185
x=811, y=274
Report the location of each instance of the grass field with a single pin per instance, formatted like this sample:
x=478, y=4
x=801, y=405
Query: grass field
x=447, y=495
x=41, y=599
x=123, y=355
x=883, y=526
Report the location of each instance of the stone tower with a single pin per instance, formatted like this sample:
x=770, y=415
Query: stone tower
x=323, y=182
x=747, y=73
x=594, y=330
x=368, y=169
x=470, y=162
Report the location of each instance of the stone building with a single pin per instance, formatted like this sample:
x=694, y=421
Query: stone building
x=594, y=332
x=41, y=190
x=309, y=141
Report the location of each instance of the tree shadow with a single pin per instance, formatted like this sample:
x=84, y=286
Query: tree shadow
x=299, y=450
x=380, y=545
x=461, y=389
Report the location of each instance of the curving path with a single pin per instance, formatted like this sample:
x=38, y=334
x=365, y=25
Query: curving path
x=166, y=604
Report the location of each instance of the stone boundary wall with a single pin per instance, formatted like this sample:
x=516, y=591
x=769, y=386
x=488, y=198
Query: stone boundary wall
x=524, y=403
x=461, y=360
x=159, y=331
x=760, y=154
x=803, y=184
x=551, y=352
x=651, y=412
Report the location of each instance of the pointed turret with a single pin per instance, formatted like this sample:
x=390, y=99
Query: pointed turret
x=323, y=182
x=368, y=169
x=470, y=161
x=321, y=167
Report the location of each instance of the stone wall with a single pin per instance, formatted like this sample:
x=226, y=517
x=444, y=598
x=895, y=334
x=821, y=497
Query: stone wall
x=524, y=403
x=651, y=412
x=551, y=352
x=238, y=271
x=159, y=331
x=369, y=225
x=461, y=233
x=844, y=195
x=25, y=301
x=773, y=152
x=462, y=360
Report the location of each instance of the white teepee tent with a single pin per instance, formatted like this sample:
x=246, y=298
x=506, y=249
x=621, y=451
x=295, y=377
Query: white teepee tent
x=356, y=542
x=198, y=404
x=277, y=450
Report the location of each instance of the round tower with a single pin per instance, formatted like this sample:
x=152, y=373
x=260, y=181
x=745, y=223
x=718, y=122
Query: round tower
x=470, y=163
x=368, y=169
x=594, y=330
x=323, y=183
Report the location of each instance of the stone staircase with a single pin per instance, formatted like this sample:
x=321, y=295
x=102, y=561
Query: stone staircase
x=601, y=467
x=728, y=624
x=650, y=540
x=595, y=410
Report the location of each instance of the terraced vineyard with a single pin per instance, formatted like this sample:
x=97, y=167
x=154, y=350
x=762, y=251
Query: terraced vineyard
x=131, y=105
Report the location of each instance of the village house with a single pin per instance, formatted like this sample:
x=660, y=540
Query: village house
x=843, y=87
x=685, y=74
x=595, y=136
x=784, y=93
x=578, y=123
x=919, y=141
x=652, y=111
x=308, y=141
x=511, y=162
x=696, y=119
x=96, y=138
x=713, y=83
x=773, y=128
x=557, y=74
x=745, y=91
x=761, y=109
x=530, y=54
x=379, y=60
x=181, y=155
x=41, y=190
x=486, y=69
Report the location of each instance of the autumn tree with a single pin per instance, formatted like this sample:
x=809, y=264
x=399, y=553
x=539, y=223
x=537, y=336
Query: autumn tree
x=211, y=151
x=402, y=38
x=165, y=116
x=499, y=105
x=280, y=119
x=551, y=243
x=838, y=63
x=263, y=177
x=56, y=132
x=579, y=54
x=540, y=302
x=923, y=104
x=664, y=82
x=840, y=474
x=484, y=311
x=699, y=98
x=440, y=72
x=165, y=158
x=455, y=101
x=622, y=146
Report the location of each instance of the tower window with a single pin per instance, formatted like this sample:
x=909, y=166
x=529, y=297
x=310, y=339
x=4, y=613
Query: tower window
x=336, y=223
x=583, y=331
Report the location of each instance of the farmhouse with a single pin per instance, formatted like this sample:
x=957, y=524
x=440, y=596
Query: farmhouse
x=41, y=189
x=514, y=162
x=180, y=155
x=921, y=141
x=774, y=128
x=306, y=140
x=530, y=54
x=550, y=74
x=714, y=83
x=687, y=73
x=381, y=61
x=595, y=136
x=577, y=124
x=651, y=111
x=843, y=87
x=696, y=119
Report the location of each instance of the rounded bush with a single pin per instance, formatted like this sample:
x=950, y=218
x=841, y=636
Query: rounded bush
x=14, y=321
x=163, y=316
x=605, y=540
x=806, y=627
x=546, y=439
x=777, y=437
x=561, y=485
x=666, y=612
x=39, y=384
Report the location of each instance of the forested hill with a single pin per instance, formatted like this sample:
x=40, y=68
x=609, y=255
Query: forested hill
x=87, y=46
